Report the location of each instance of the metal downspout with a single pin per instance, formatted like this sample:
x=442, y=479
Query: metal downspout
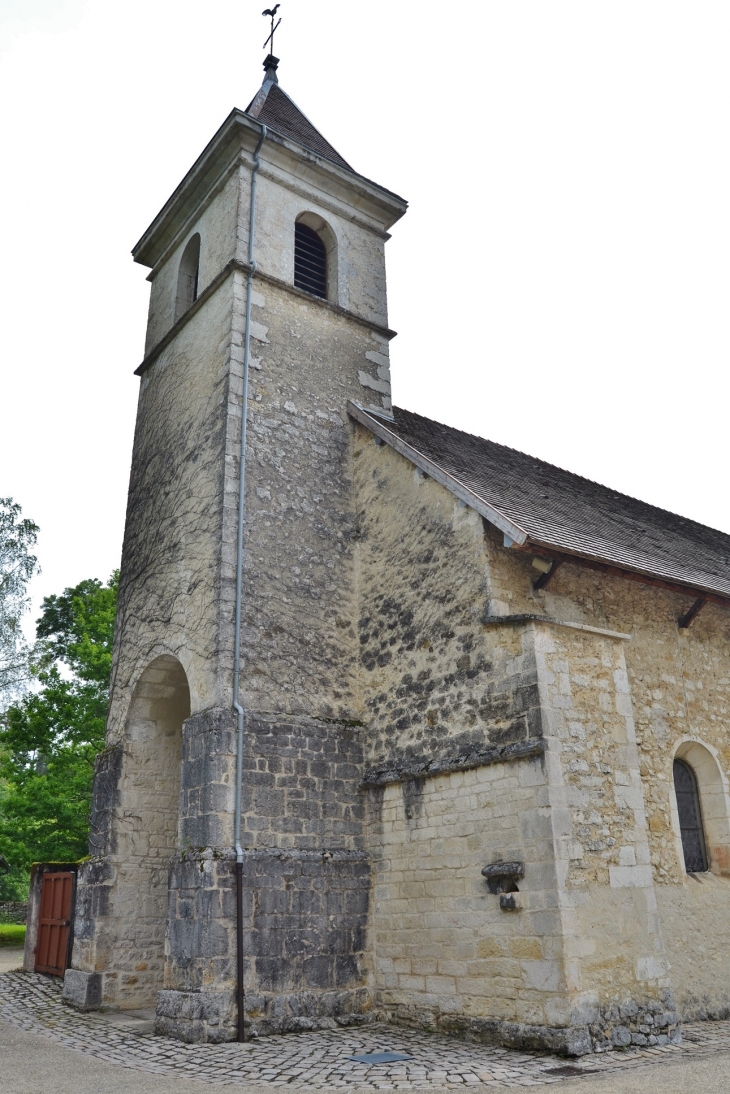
x=239, y=594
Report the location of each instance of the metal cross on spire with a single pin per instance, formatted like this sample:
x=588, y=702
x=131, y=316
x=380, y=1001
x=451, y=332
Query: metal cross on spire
x=270, y=40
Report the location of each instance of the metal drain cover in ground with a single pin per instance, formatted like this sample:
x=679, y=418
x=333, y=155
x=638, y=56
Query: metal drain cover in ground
x=567, y=1069
x=380, y=1057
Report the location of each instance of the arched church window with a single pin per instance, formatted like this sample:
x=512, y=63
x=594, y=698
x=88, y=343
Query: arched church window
x=310, y=261
x=690, y=818
x=187, y=278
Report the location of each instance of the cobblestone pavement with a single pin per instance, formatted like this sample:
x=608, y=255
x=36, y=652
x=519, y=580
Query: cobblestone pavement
x=320, y=1060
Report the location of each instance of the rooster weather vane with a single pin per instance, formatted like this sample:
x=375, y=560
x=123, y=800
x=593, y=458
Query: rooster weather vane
x=270, y=40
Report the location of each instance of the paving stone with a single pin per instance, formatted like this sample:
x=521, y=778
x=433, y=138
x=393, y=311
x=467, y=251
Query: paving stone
x=319, y=1059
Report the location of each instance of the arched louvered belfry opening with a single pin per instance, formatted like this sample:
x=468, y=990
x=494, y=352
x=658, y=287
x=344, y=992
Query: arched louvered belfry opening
x=690, y=818
x=187, y=277
x=310, y=260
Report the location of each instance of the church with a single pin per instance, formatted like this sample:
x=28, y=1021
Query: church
x=404, y=723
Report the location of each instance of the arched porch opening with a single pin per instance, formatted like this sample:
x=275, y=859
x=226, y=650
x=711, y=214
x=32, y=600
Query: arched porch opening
x=148, y=827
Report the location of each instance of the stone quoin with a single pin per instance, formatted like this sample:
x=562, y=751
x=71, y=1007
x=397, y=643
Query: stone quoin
x=465, y=674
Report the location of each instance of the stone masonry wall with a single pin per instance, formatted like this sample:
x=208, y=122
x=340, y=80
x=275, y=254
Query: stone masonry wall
x=170, y=562
x=434, y=681
x=299, y=651
x=601, y=969
x=306, y=958
x=679, y=686
x=614, y=946
x=306, y=939
x=301, y=784
x=447, y=956
x=306, y=878
x=216, y=225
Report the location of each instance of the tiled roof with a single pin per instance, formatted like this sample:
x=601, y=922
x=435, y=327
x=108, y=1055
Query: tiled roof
x=281, y=113
x=559, y=510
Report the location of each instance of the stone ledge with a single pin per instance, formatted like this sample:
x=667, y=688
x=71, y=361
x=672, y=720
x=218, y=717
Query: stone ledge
x=563, y=1041
x=306, y=1010
x=243, y=267
x=600, y=1028
x=529, y=617
x=210, y=1017
x=296, y=854
x=425, y=769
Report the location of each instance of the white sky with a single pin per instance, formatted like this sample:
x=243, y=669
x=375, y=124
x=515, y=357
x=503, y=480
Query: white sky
x=560, y=283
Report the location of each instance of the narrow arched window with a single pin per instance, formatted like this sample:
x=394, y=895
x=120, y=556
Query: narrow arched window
x=690, y=818
x=310, y=261
x=187, y=278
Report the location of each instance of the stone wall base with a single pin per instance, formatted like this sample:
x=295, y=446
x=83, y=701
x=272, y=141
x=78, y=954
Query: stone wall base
x=196, y=1016
x=614, y=1025
x=306, y=1010
x=82, y=989
x=703, y=1008
x=210, y=1017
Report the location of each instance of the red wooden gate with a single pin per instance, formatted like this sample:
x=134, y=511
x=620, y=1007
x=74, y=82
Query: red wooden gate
x=54, y=923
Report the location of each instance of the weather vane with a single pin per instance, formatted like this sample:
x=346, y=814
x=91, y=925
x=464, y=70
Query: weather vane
x=270, y=40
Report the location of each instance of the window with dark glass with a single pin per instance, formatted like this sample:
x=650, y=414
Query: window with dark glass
x=310, y=261
x=690, y=818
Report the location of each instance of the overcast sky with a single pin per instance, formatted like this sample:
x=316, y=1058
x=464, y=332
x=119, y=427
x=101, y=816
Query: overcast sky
x=560, y=283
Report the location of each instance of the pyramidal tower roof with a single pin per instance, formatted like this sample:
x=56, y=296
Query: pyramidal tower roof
x=275, y=109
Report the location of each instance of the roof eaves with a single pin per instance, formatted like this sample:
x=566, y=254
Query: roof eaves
x=663, y=579
x=379, y=427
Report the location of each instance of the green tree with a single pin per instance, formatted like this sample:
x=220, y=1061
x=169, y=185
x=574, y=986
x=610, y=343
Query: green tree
x=17, y=566
x=49, y=740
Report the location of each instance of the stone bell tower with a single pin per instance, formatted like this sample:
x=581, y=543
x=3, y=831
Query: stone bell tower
x=156, y=911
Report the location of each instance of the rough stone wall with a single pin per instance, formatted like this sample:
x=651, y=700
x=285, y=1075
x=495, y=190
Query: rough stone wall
x=299, y=650
x=306, y=917
x=306, y=873
x=170, y=574
x=301, y=784
x=216, y=225
x=444, y=680
x=207, y=780
x=434, y=680
x=13, y=911
x=679, y=682
x=306, y=964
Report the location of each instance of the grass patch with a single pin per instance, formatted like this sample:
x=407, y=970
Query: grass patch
x=12, y=934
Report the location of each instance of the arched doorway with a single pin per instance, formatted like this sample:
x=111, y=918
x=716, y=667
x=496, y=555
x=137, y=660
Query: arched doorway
x=147, y=830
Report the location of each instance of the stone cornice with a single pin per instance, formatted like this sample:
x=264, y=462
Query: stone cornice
x=518, y=620
x=399, y=771
x=229, y=268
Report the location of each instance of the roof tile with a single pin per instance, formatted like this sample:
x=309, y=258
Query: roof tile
x=282, y=114
x=558, y=509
